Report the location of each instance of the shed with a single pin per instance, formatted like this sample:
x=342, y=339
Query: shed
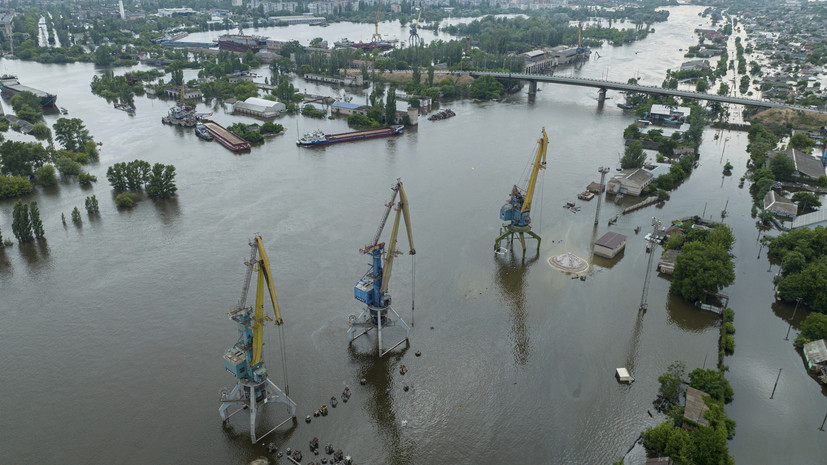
x=666, y=264
x=259, y=107
x=596, y=188
x=815, y=353
x=630, y=181
x=780, y=205
x=695, y=406
x=811, y=220
x=623, y=375
x=610, y=244
x=347, y=108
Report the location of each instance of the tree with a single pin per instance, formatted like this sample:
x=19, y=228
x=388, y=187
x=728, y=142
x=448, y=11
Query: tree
x=631, y=132
x=712, y=382
x=37, y=225
x=71, y=133
x=46, y=175
x=86, y=179
x=67, y=166
x=21, y=158
x=21, y=224
x=92, y=205
x=14, y=186
x=116, y=177
x=813, y=328
x=782, y=167
x=41, y=131
x=103, y=56
x=486, y=88
x=390, y=106
x=793, y=262
x=634, y=157
x=671, y=383
x=125, y=200
x=701, y=267
x=801, y=142
x=806, y=200
x=76, y=215
x=161, y=182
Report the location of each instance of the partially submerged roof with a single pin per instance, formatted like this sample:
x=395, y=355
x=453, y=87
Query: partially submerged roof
x=636, y=176
x=816, y=351
x=779, y=204
x=695, y=406
x=611, y=240
x=808, y=219
x=804, y=163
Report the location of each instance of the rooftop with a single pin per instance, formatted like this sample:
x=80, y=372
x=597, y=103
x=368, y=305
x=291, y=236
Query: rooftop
x=809, y=219
x=816, y=352
x=695, y=406
x=346, y=105
x=779, y=204
x=804, y=164
x=611, y=240
x=638, y=176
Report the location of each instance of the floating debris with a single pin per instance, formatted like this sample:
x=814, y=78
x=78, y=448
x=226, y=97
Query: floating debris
x=297, y=455
x=314, y=443
x=363, y=381
x=307, y=419
x=403, y=369
x=334, y=402
x=405, y=387
x=569, y=263
x=444, y=114
x=328, y=448
x=418, y=353
x=272, y=447
x=323, y=410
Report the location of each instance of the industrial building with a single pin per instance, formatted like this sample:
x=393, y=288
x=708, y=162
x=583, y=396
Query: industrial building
x=347, y=108
x=609, y=245
x=260, y=107
x=631, y=181
x=811, y=220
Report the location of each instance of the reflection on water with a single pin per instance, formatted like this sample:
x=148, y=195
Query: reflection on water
x=378, y=373
x=168, y=210
x=510, y=277
x=687, y=316
x=34, y=252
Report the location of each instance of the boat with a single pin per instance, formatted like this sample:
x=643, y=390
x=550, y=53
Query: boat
x=202, y=132
x=241, y=42
x=180, y=115
x=224, y=137
x=319, y=138
x=623, y=106
x=585, y=195
x=643, y=123
x=10, y=85
x=64, y=111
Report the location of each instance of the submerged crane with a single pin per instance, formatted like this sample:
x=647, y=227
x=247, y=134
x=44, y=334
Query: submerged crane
x=253, y=388
x=517, y=211
x=372, y=289
x=413, y=39
x=376, y=37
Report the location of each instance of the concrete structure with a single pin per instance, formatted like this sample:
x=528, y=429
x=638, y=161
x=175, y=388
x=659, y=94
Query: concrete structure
x=609, y=245
x=815, y=353
x=630, y=182
x=259, y=107
x=189, y=94
x=805, y=165
x=811, y=220
x=695, y=406
x=661, y=112
x=666, y=264
x=347, y=108
x=779, y=205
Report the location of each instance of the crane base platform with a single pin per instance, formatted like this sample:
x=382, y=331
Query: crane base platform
x=377, y=318
x=508, y=235
x=253, y=397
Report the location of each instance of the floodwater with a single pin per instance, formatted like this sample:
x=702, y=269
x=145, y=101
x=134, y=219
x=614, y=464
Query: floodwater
x=113, y=330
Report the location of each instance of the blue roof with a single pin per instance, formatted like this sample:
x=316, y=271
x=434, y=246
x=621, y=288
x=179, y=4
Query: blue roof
x=346, y=105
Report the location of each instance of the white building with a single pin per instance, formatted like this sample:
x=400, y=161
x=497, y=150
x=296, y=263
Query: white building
x=259, y=107
x=169, y=12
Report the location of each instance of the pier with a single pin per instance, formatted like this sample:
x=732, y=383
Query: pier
x=639, y=205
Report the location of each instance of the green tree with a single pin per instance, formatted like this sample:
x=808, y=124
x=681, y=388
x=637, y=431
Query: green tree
x=390, y=107
x=67, y=166
x=71, y=133
x=813, y=328
x=161, y=182
x=782, y=167
x=34, y=217
x=700, y=267
x=793, y=262
x=633, y=157
x=41, y=131
x=103, y=56
x=46, y=175
x=21, y=158
x=801, y=142
x=21, y=223
x=671, y=383
x=632, y=131
x=76, y=215
x=14, y=186
x=86, y=179
x=806, y=200
x=125, y=200
x=92, y=205
x=486, y=88
x=712, y=382
x=430, y=75
x=117, y=177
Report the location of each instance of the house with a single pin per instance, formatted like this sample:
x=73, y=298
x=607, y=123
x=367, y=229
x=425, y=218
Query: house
x=259, y=107
x=631, y=181
x=596, y=188
x=666, y=264
x=609, y=245
x=805, y=165
x=815, y=353
x=696, y=65
x=779, y=205
x=347, y=108
x=661, y=112
x=695, y=407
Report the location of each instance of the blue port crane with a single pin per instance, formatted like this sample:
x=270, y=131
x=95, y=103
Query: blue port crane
x=517, y=211
x=413, y=39
x=244, y=359
x=372, y=288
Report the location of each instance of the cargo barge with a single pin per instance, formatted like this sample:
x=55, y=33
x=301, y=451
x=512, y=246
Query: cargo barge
x=225, y=137
x=11, y=86
x=241, y=42
x=320, y=138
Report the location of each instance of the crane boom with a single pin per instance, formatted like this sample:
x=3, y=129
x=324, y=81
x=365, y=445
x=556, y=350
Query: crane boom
x=376, y=36
x=539, y=164
x=392, y=252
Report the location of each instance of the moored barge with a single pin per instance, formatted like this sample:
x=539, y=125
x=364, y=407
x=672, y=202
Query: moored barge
x=11, y=86
x=320, y=138
x=225, y=137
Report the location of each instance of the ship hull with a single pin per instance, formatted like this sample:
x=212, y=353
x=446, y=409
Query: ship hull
x=352, y=136
x=47, y=100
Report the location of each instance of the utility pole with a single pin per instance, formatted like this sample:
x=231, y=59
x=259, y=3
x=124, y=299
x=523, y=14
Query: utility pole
x=797, y=301
x=602, y=170
x=823, y=421
x=651, y=245
x=776, y=383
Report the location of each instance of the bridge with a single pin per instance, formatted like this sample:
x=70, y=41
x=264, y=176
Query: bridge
x=603, y=86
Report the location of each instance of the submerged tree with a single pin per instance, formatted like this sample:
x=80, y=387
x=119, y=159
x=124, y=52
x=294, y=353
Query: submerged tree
x=37, y=225
x=21, y=223
x=161, y=182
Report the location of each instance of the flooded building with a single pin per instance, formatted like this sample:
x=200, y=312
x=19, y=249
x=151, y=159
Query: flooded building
x=805, y=165
x=259, y=107
x=609, y=245
x=630, y=182
x=779, y=205
x=811, y=220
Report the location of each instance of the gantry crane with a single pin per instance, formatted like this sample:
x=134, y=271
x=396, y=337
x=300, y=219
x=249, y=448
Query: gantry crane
x=517, y=211
x=372, y=289
x=414, y=40
x=376, y=36
x=244, y=360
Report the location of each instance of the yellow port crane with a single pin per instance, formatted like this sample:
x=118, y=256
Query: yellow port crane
x=413, y=39
x=244, y=359
x=376, y=36
x=517, y=211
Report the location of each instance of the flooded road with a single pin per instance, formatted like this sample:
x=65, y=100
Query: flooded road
x=114, y=329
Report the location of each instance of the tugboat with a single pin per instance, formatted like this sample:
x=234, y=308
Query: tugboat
x=180, y=115
x=202, y=132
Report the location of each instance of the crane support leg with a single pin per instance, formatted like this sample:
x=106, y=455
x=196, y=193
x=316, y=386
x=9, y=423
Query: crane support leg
x=379, y=319
x=254, y=396
x=509, y=233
